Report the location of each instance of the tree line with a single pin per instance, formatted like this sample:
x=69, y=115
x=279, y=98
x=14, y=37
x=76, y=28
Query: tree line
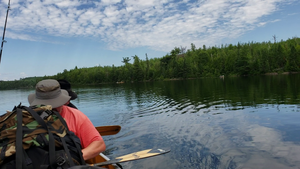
x=243, y=59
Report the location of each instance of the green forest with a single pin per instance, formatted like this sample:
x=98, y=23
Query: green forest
x=242, y=59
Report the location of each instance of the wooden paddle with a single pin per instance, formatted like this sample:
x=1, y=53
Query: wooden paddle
x=134, y=156
x=108, y=130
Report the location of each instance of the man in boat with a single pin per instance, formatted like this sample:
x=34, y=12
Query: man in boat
x=48, y=92
x=64, y=84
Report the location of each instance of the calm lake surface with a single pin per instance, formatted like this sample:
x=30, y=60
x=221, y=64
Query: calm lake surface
x=249, y=122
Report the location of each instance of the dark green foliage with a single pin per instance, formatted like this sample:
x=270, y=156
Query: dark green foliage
x=126, y=60
x=293, y=60
x=137, y=69
x=29, y=82
x=243, y=59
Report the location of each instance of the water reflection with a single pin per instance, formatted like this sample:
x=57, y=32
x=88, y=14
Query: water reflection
x=231, y=141
x=224, y=127
x=247, y=122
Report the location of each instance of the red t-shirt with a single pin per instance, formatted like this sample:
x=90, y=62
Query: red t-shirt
x=81, y=125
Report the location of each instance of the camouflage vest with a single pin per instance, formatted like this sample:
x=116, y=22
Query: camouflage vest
x=37, y=137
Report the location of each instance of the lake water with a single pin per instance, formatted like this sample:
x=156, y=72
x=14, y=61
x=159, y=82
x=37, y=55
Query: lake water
x=244, y=122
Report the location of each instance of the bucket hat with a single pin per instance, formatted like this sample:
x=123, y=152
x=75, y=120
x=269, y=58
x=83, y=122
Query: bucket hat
x=64, y=84
x=48, y=92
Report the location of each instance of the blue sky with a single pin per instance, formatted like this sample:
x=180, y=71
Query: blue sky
x=44, y=37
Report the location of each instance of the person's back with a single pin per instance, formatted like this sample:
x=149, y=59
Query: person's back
x=48, y=92
x=48, y=144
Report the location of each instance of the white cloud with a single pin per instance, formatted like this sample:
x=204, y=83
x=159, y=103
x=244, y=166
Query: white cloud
x=11, y=76
x=23, y=74
x=160, y=25
x=109, y=2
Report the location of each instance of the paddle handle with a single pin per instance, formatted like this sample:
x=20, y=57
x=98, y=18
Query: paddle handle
x=108, y=130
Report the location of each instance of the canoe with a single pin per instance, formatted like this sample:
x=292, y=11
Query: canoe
x=102, y=158
x=104, y=131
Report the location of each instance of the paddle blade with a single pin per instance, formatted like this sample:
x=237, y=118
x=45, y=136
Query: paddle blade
x=108, y=130
x=135, y=156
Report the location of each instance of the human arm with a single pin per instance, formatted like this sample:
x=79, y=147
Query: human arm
x=91, y=141
x=93, y=149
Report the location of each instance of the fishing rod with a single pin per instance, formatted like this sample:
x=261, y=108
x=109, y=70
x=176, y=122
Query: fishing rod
x=8, y=8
